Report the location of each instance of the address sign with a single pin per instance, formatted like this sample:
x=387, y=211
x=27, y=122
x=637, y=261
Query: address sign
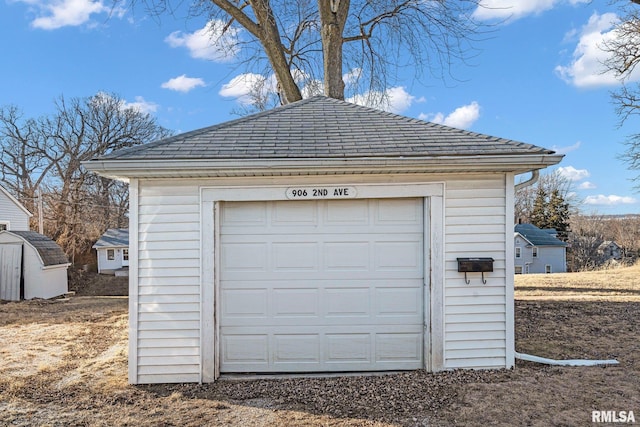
x=321, y=193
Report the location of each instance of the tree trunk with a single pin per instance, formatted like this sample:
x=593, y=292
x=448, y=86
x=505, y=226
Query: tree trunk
x=333, y=15
x=270, y=38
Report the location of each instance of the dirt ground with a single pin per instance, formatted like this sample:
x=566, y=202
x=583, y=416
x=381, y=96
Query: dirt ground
x=64, y=363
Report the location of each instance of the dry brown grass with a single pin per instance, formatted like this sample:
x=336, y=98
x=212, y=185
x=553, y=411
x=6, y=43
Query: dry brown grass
x=616, y=284
x=64, y=363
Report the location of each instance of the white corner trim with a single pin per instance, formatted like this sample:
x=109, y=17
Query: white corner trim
x=509, y=271
x=133, y=280
x=437, y=224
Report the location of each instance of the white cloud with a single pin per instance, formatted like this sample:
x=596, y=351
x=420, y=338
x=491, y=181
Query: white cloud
x=352, y=76
x=568, y=149
x=573, y=174
x=399, y=99
x=511, y=9
x=183, y=83
x=208, y=42
x=141, y=105
x=610, y=200
x=462, y=117
x=65, y=13
x=312, y=87
x=395, y=100
x=243, y=86
x=586, y=68
x=586, y=186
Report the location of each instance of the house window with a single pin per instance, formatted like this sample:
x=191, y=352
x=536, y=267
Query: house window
x=518, y=252
x=518, y=269
x=4, y=226
x=547, y=268
x=534, y=252
x=111, y=254
x=125, y=254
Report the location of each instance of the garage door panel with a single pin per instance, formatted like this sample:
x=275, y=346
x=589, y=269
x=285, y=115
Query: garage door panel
x=347, y=302
x=294, y=213
x=246, y=349
x=299, y=348
x=322, y=286
x=295, y=302
x=299, y=256
x=245, y=256
x=351, y=347
x=396, y=301
x=347, y=255
x=393, y=347
x=297, y=351
x=243, y=303
x=241, y=215
x=398, y=211
x=351, y=214
x=399, y=256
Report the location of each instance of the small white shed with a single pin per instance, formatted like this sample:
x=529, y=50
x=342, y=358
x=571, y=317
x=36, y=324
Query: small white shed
x=320, y=236
x=112, y=251
x=31, y=266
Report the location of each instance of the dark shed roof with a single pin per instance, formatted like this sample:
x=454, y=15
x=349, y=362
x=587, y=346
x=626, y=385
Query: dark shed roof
x=49, y=250
x=322, y=127
x=537, y=236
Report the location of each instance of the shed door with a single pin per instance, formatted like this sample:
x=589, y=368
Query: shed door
x=328, y=285
x=10, y=271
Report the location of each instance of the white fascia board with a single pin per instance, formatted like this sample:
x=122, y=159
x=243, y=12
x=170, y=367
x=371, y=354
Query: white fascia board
x=524, y=238
x=123, y=169
x=56, y=266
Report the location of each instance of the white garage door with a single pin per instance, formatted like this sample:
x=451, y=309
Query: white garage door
x=328, y=285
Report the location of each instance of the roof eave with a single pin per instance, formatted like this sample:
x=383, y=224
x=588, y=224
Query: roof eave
x=197, y=168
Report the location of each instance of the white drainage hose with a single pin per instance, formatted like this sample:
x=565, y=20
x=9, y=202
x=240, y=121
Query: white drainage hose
x=570, y=362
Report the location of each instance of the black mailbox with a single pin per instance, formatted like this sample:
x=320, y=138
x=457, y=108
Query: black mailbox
x=475, y=265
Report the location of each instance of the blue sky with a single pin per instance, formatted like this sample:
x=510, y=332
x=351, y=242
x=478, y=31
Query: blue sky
x=537, y=78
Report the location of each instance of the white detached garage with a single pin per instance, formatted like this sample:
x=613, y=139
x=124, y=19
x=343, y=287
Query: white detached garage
x=320, y=236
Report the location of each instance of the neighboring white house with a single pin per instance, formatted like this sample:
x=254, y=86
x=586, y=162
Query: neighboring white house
x=610, y=250
x=112, y=250
x=320, y=236
x=13, y=216
x=31, y=266
x=538, y=251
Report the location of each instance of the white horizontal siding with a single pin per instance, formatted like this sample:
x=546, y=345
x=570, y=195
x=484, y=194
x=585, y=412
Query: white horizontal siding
x=17, y=219
x=475, y=314
x=168, y=275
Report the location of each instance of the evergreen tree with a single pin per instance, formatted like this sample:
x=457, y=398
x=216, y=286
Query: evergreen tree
x=540, y=214
x=558, y=215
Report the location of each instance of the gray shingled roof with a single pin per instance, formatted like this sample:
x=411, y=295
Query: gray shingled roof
x=322, y=127
x=49, y=251
x=538, y=237
x=113, y=238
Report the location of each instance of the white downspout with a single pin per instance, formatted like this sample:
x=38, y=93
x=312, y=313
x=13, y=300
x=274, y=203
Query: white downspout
x=569, y=362
x=535, y=174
